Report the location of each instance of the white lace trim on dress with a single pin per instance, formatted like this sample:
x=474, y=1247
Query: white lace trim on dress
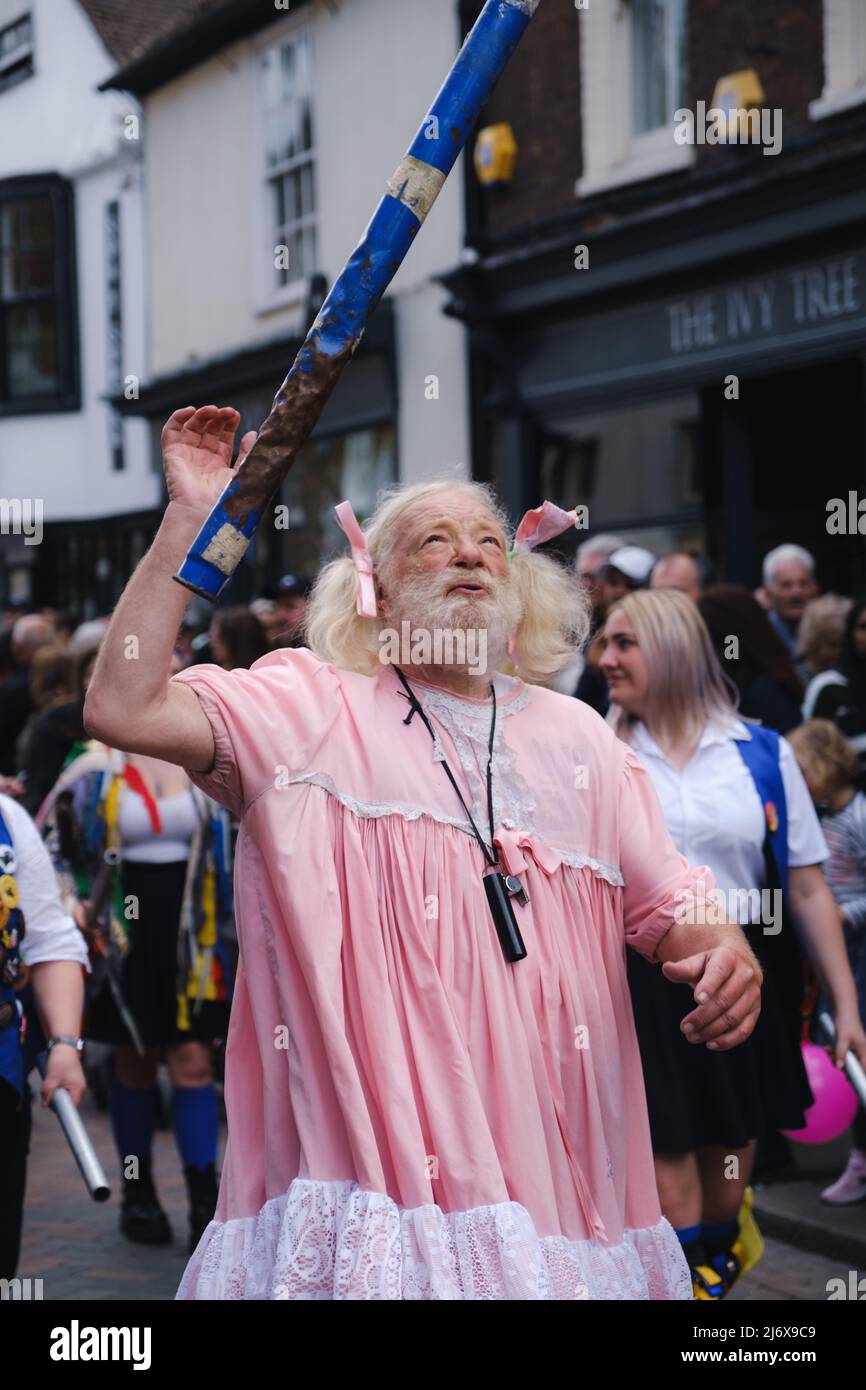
x=468, y=724
x=334, y=1240
x=374, y=810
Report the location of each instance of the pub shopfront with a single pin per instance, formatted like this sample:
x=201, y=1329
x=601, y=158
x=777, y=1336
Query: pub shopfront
x=700, y=384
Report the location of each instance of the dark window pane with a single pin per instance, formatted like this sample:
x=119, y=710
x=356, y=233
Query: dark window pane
x=279, y=202
x=294, y=194
x=26, y=222
x=307, y=194
x=25, y=270
x=36, y=216
x=31, y=349
x=657, y=47
x=39, y=270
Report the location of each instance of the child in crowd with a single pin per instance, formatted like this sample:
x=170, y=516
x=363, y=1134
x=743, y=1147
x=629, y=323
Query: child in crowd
x=830, y=765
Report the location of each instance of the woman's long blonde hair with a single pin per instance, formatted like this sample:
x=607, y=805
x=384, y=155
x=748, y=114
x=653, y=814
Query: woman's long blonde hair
x=687, y=688
x=555, y=611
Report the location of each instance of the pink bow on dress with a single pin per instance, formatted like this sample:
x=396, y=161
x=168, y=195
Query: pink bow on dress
x=361, y=559
x=540, y=525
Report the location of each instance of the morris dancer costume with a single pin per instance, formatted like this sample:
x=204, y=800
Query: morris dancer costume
x=410, y=1115
x=89, y=790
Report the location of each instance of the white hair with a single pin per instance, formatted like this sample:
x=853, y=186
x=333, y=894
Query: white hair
x=781, y=556
x=88, y=632
x=555, y=611
x=599, y=545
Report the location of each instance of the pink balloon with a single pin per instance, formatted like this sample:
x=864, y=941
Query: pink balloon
x=835, y=1099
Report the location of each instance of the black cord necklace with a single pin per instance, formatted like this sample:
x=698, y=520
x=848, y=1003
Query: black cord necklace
x=499, y=887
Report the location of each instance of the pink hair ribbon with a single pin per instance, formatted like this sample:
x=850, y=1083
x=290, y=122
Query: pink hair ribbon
x=540, y=525
x=361, y=559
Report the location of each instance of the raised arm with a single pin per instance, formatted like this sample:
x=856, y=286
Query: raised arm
x=131, y=703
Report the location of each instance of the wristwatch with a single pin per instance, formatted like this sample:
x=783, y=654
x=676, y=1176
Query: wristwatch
x=77, y=1043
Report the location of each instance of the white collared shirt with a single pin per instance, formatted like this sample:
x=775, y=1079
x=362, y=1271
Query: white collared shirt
x=49, y=931
x=714, y=813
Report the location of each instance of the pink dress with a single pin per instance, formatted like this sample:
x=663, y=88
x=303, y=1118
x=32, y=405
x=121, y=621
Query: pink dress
x=410, y=1116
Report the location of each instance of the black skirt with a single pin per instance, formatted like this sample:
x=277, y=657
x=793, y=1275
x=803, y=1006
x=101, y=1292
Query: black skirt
x=149, y=974
x=696, y=1097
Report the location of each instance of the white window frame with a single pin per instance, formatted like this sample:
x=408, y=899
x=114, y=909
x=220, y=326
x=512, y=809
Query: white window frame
x=271, y=296
x=844, y=59
x=25, y=49
x=612, y=154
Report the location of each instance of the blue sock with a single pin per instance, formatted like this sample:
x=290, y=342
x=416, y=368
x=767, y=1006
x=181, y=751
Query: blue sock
x=196, y=1124
x=132, y=1117
x=719, y=1236
x=689, y=1238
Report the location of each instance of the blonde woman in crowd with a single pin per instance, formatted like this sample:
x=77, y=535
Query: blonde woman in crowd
x=733, y=799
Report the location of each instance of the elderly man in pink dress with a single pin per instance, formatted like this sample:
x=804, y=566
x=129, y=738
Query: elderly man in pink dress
x=433, y=1084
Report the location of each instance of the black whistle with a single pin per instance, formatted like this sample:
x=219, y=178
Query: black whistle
x=503, y=917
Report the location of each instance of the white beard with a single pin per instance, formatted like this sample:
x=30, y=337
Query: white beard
x=421, y=601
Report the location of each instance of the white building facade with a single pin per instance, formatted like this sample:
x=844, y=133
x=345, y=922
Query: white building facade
x=269, y=138
x=76, y=478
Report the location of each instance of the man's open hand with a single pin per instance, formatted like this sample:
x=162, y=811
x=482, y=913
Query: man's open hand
x=727, y=987
x=197, y=448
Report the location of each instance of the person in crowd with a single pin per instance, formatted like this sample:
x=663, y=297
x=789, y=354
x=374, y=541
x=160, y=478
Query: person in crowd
x=59, y=682
x=789, y=584
x=830, y=765
x=165, y=930
x=16, y=702
x=679, y=569
x=733, y=799
x=841, y=695
x=196, y=621
x=271, y=619
x=753, y=656
x=433, y=1082
x=293, y=592
x=591, y=556
x=624, y=571
x=42, y=958
x=821, y=641
x=63, y=624
x=236, y=637
x=88, y=635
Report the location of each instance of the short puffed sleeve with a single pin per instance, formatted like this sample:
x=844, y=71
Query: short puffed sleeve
x=659, y=881
x=269, y=718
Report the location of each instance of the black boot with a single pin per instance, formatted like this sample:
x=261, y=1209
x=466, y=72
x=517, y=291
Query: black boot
x=203, y=1188
x=142, y=1219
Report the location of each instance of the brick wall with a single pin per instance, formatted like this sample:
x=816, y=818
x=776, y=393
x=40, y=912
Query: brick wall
x=539, y=93
x=783, y=41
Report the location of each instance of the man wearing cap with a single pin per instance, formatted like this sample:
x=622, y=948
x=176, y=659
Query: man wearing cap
x=433, y=1083
x=627, y=568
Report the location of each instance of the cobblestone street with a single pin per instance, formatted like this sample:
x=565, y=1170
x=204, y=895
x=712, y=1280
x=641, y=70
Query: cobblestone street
x=72, y=1243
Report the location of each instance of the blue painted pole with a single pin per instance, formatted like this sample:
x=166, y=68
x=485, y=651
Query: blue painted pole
x=339, y=326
